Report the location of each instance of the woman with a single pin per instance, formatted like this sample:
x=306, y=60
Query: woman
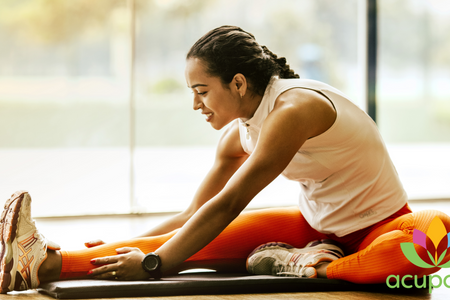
x=303, y=129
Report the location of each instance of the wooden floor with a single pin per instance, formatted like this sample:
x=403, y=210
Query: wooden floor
x=438, y=294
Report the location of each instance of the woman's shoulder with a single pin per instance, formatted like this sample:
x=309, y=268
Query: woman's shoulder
x=229, y=144
x=316, y=111
x=299, y=94
x=283, y=87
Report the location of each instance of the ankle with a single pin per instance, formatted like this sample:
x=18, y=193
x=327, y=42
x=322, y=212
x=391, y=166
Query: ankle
x=321, y=269
x=50, y=269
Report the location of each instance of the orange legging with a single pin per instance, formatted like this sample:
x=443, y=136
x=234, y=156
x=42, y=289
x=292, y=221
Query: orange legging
x=373, y=253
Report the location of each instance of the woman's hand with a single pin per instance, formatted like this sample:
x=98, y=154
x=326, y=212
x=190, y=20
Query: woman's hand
x=126, y=265
x=94, y=243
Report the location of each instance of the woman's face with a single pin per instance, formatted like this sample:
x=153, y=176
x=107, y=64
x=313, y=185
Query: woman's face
x=220, y=105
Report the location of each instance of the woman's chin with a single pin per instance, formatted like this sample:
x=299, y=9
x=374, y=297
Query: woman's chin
x=219, y=126
x=213, y=125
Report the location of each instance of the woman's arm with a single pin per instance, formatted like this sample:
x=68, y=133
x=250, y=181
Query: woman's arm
x=297, y=116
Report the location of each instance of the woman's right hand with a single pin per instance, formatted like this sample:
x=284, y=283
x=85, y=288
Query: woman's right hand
x=94, y=243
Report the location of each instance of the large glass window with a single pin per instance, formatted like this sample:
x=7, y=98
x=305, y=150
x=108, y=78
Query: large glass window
x=64, y=85
x=414, y=92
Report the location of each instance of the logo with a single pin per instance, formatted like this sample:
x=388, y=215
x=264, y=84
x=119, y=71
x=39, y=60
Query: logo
x=436, y=246
x=436, y=242
x=367, y=213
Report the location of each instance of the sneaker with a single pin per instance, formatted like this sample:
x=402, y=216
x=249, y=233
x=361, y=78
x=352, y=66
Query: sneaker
x=282, y=259
x=23, y=247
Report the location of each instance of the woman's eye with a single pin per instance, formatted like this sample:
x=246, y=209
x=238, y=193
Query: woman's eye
x=202, y=93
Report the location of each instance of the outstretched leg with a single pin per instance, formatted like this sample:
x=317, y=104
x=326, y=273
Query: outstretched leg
x=22, y=268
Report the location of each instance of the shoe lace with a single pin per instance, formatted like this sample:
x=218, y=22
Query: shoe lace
x=291, y=269
x=41, y=238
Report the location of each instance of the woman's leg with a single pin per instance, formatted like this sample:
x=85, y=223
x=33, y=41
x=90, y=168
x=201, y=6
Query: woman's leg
x=380, y=255
x=225, y=253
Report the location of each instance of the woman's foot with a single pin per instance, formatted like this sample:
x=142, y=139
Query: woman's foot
x=23, y=247
x=284, y=260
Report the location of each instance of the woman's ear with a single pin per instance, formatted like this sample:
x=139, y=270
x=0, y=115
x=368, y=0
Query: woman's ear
x=239, y=84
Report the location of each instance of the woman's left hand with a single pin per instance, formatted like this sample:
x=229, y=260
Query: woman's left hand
x=126, y=265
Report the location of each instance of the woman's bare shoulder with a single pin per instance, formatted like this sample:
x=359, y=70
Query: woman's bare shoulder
x=230, y=144
x=317, y=111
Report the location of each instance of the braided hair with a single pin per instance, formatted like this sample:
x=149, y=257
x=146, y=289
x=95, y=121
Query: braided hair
x=229, y=50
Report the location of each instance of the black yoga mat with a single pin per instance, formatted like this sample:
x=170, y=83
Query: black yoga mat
x=199, y=284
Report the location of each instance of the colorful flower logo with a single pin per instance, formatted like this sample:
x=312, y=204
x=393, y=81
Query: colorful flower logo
x=436, y=242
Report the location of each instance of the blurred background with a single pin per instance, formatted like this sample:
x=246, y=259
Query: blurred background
x=96, y=118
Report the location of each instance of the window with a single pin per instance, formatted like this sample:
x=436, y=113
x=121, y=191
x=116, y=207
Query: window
x=64, y=91
x=90, y=126
x=414, y=94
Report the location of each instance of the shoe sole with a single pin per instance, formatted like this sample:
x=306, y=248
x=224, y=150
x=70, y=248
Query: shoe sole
x=322, y=245
x=8, y=231
x=281, y=245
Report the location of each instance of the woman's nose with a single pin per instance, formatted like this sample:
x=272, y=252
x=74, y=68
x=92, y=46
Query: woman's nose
x=197, y=104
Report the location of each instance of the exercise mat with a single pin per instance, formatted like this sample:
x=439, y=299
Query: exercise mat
x=199, y=284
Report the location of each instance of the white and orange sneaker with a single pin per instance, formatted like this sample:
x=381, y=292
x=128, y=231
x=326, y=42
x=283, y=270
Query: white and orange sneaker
x=23, y=247
x=282, y=259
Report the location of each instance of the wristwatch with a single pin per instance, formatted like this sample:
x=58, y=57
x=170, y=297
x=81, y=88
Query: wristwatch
x=152, y=264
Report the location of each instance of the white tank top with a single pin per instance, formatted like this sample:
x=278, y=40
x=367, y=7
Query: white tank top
x=347, y=179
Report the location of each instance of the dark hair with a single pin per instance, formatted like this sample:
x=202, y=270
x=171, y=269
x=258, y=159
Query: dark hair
x=229, y=50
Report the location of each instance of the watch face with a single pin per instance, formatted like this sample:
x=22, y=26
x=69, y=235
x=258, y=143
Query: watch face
x=151, y=263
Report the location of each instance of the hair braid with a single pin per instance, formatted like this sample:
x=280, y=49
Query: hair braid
x=285, y=69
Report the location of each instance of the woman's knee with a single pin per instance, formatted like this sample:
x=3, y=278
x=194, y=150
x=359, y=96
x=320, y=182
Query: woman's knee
x=424, y=219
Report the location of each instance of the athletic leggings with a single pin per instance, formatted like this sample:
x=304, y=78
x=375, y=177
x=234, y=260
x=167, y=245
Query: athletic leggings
x=372, y=254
